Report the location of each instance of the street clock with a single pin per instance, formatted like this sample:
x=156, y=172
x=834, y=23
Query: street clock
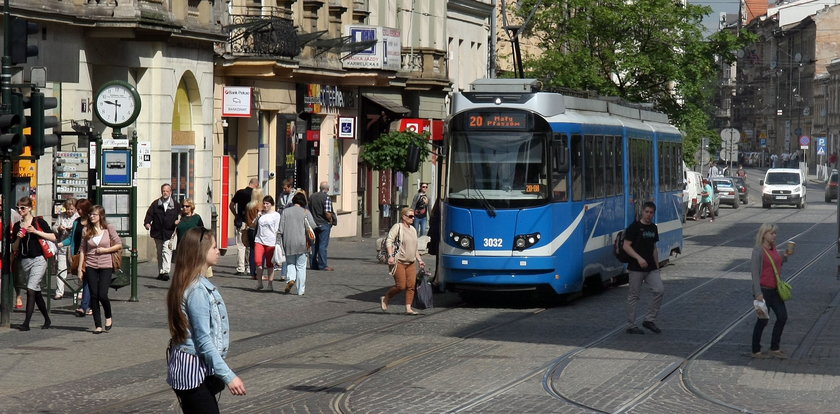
x=117, y=104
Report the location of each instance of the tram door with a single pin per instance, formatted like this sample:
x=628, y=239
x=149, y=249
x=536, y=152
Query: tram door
x=641, y=175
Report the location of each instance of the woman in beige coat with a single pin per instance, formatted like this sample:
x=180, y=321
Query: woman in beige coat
x=404, y=260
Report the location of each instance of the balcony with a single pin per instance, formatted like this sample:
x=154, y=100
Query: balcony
x=253, y=35
x=424, y=68
x=723, y=113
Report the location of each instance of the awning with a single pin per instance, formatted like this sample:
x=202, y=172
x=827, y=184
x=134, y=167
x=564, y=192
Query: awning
x=390, y=101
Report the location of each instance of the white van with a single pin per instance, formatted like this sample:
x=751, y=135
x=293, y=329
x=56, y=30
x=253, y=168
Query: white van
x=693, y=188
x=783, y=186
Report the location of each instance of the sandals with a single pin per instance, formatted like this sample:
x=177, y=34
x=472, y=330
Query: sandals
x=80, y=313
x=382, y=304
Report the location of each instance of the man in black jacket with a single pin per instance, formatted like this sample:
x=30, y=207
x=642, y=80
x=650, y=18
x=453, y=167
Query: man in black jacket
x=160, y=221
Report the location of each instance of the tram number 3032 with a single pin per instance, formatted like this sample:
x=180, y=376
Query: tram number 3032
x=492, y=242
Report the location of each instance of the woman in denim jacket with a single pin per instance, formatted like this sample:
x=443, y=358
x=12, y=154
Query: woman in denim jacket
x=198, y=324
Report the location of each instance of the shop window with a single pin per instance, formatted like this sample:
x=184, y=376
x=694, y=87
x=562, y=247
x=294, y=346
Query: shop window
x=183, y=172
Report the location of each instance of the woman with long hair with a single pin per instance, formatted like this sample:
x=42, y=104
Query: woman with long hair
x=264, y=242
x=292, y=229
x=25, y=237
x=99, y=242
x=766, y=265
x=74, y=242
x=404, y=259
x=199, y=329
x=253, y=211
x=62, y=229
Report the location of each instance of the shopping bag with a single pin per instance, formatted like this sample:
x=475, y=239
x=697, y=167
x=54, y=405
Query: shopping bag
x=279, y=255
x=423, y=296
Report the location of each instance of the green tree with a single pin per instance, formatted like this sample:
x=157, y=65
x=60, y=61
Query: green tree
x=390, y=151
x=643, y=51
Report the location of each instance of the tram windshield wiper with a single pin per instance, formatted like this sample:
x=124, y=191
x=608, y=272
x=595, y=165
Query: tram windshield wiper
x=491, y=211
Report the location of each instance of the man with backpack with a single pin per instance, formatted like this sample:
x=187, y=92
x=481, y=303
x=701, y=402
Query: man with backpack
x=420, y=204
x=640, y=244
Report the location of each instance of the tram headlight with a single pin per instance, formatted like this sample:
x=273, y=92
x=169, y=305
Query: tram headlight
x=462, y=240
x=524, y=241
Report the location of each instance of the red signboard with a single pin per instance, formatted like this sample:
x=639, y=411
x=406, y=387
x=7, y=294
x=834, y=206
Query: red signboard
x=420, y=125
x=313, y=135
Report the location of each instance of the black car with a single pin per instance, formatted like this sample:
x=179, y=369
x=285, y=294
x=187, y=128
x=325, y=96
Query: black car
x=741, y=185
x=831, y=187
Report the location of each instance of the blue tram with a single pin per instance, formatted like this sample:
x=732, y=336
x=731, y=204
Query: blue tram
x=537, y=185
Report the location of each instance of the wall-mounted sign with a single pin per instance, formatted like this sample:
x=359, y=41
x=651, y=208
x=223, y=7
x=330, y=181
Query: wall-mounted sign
x=236, y=101
x=346, y=127
x=385, y=54
x=116, y=167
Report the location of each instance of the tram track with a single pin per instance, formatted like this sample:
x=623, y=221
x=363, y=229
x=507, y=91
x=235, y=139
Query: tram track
x=681, y=366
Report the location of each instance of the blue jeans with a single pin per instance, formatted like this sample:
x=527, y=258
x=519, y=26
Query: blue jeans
x=777, y=305
x=319, y=249
x=422, y=225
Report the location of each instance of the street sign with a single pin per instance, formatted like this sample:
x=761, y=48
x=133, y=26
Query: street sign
x=762, y=143
x=730, y=135
x=821, y=146
x=804, y=140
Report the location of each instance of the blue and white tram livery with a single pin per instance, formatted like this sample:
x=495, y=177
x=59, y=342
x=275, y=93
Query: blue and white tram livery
x=538, y=185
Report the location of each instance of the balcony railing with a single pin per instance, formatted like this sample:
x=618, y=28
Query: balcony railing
x=258, y=35
x=424, y=63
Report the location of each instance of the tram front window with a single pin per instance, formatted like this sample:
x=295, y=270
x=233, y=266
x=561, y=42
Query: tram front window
x=506, y=170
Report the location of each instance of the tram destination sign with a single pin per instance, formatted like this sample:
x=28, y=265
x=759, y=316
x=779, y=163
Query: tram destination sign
x=497, y=120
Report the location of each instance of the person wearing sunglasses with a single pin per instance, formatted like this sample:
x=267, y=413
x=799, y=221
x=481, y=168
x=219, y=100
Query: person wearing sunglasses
x=25, y=240
x=188, y=219
x=199, y=328
x=420, y=203
x=403, y=254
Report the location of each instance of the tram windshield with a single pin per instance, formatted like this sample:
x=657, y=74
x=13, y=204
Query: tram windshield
x=505, y=169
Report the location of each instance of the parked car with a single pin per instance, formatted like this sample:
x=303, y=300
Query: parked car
x=783, y=186
x=693, y=188
x=743, y=192
x=727, y=191
x=831, y=187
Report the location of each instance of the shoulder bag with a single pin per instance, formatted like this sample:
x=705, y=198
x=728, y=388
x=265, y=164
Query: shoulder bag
x=392, y=268
x=784, y=288
x=310, y=234
x=49, y=248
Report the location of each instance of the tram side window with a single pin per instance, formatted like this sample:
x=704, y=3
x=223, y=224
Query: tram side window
x=598, y=168
x=619, y=165
x=678, y=156
x=577, y=167
x=588, y=163
x=609, y=166
x=560, y=169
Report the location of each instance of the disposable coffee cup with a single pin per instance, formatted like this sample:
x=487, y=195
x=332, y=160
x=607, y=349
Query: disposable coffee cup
x=791, y=246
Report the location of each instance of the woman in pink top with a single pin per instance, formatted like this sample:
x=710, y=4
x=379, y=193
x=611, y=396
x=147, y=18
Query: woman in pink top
x=764, y=289
x=99, y=241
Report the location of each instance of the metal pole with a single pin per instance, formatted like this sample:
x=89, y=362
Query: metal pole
x=6, y=92
x=132, y=211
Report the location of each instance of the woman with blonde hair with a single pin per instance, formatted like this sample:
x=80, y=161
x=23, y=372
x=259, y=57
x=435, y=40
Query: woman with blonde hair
x=99, y=242
x=404, y=259
x=198, y=328
x=766, y=265
x=253, y=210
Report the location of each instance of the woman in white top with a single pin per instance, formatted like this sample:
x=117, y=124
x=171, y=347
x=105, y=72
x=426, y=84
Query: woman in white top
x=267, y=226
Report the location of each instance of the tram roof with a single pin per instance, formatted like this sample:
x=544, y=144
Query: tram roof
x=525, y=94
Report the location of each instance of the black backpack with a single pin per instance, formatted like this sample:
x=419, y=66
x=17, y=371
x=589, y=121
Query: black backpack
x=618, y=248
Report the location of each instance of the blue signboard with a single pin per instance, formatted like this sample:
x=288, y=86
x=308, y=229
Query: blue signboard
x=116, y=167
x=821, y=146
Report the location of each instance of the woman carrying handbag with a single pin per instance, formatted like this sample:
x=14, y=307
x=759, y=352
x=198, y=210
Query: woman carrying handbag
x=27, y=236
x=403, y=260
x=766, y=266
x=100, y=243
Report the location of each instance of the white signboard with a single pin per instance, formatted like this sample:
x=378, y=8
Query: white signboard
x=236, y=101
x=346, y=127
x=144, y=154
x=115, y=143
x=385, y=54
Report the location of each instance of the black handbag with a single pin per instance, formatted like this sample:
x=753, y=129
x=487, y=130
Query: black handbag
x=423, y=295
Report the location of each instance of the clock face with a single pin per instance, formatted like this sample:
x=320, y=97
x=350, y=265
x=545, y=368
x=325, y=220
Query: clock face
x=117, y=104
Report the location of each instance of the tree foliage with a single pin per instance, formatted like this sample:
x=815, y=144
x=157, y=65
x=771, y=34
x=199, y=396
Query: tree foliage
x=643, y=51
x=390, y=151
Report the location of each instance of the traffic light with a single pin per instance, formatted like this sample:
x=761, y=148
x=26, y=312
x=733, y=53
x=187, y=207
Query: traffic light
x=11, y=135
x=20, y=48
x=38, y=122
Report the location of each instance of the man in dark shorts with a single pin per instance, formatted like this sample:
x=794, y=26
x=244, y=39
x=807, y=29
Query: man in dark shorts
x=238, y=207
x=640, y=243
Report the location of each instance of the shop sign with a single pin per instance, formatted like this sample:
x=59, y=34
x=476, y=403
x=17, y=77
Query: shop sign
x=236, y=101
x=434, y=127
x=319, y=98
x=385, y=54
x=384, y=187
x=346, y=127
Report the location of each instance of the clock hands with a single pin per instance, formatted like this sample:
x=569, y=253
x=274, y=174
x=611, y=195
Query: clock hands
x=116, y=105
